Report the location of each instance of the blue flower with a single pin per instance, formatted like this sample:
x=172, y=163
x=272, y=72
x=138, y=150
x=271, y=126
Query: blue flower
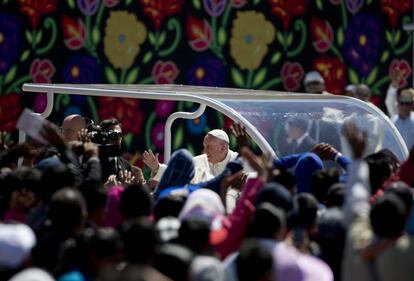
x=81, y=69
x=9, y=41
x=206, y=71
x=362, y=43
x=197, y=126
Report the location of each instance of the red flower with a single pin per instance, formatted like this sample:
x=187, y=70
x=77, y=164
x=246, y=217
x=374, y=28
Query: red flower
x=126, y=111
x=9, y=111
x=158, y=10
x=199, y=34
x=111, y=3
x=42, y=70
x=238, y=3
x=287, y=9
x=292, y=74
x=333, y=72
x=164, y=72
x=394, y=8
x=322, y=35
x=401, y=70
x=74, y=33
x=34, y=9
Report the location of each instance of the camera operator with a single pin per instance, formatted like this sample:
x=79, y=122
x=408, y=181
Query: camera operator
x=108, y=135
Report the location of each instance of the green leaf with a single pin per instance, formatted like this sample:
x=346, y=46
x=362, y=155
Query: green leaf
x=25, y=55
x=178, y=138
x=71, y=3
x=237, y=77
x=128, y=2
x=189, y=104
x=388, y=36
x=353, y=76
x=191, y=149
x=222, y=37
x=38, y=37
x=111, y=75
x=372, y=76
x=147, y=57
x=369, y=2
x=152, y=39
x=197, y=4
x=255, y=2
x=132, y=76
x=397, y=37
x=385, y=55
x=280, y=38
x=319, y=4
x=289, y=39
x=260, y=77
x=127, y=140
x=340, y=36
x=96, y=35
x=28, y=36
x=276, y=57
x=161, y=39
x=10, y=75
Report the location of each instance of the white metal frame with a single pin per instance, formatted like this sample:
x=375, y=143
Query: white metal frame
x=203, y=100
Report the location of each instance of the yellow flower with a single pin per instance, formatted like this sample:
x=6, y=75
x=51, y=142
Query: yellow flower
x=251, y=33
x=123, y=36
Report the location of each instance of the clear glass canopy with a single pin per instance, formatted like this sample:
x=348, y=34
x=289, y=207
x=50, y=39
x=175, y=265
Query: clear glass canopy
x=266, y=114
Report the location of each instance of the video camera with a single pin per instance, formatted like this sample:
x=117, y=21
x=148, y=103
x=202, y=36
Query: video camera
x=102, y=137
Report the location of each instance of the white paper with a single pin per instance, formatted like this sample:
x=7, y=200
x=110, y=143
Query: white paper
x=31, y=123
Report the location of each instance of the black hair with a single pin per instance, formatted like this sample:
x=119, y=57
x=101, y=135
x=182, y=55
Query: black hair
x=135, y=201
x=308, y=210
x=194, y=234
x=106, y=124
x=336, y=195
x=267, y=221
x=380, y=169
x=321, y=181
x=67, y=209
x=139, y=240
x=174, y=261
x=170, y=205
x=388, y=216
x=254, y=262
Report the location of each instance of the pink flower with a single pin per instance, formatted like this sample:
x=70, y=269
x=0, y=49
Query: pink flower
x=164, y=72
x=292, y=74
x=111, y=3
x=42, y=70
x=40, y=102
x=238, y=3
x=400, y=70
x=164, y=108
x=157, y=135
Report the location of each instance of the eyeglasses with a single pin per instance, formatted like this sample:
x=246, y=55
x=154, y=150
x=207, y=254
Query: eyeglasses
x=405, y=102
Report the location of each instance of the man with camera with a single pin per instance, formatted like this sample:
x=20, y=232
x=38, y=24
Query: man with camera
x=108, y=135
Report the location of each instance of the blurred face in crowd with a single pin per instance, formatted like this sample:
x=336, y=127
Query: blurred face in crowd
x=314, y=87
x=405, y=103
x=216, y=149
x=71, y=125
x=118, y=129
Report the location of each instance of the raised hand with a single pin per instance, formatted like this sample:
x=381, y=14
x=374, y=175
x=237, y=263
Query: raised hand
x=50, y=133
x=126, y=177
x=83, y=135
x=241, y=135
x=356, y=139
x=325, y=151
x=150, y=159
x=262, y=164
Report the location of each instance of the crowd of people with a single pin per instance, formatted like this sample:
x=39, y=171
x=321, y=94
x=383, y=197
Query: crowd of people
x=77, y=210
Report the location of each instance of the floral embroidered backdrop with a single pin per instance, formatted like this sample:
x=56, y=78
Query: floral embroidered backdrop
x=261, y=44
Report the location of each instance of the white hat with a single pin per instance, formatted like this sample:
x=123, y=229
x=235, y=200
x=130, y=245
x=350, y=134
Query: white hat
x=32, y=274
x=16, y=243
x=220, y=134
x=313, y=76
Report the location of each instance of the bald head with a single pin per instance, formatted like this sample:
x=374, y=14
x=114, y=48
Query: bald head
x=71, y=125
